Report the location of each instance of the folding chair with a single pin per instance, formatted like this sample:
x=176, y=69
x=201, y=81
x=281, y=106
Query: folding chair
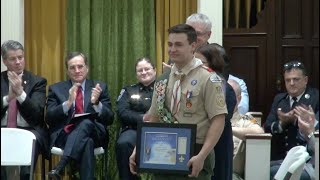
x=293, y=164
x=17, y=148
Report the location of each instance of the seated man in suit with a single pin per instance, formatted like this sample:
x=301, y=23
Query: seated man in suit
x=22, y=93
x=241, y=125
x=281, y=121
x=134, y=101
x=79, y=137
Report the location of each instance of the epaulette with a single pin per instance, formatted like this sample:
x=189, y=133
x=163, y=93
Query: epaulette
x=215, y=78
x=207, y=68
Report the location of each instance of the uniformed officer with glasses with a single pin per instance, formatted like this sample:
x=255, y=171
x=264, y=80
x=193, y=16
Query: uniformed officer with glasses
x=282, y=120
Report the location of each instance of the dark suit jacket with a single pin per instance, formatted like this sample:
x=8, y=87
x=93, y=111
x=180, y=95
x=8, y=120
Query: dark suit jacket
x=57, y=119
x=289, y=137
x=32, y=109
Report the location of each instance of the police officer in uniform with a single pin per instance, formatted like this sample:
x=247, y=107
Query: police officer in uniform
x=133, y=102
x=194, y=96
x=281, y=121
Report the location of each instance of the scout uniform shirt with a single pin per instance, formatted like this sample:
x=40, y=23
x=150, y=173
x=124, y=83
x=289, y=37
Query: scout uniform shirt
x=242, y=121
x=201, y=98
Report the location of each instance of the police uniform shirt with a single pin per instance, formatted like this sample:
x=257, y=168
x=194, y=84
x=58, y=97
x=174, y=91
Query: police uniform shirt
x=288, y=136
x=202, y=97
x=133, y=102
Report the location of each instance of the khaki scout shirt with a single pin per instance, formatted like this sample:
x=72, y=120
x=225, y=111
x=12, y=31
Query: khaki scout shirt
x=242, y=121
x=207, y=97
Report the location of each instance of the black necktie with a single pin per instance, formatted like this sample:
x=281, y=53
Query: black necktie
x=295, y=103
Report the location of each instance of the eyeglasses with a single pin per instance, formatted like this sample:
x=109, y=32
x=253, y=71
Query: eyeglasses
x=15, y=58
x=293, y=64
x=200, y=33
x=143, y=69
x=80, y=67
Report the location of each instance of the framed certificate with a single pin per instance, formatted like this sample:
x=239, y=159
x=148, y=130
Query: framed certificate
x=164, y=147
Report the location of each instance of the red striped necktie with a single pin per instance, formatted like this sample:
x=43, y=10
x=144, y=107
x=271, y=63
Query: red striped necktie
x=77, y=110
x=79, y=101
x=12, y=114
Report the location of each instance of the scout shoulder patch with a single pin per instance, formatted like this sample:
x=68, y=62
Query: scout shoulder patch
x=215, y=78
x=220, y=101
x=121, y=94
x=254, y=121
x=250, y=118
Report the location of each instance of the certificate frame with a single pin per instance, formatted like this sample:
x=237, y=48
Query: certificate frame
x=165, y=147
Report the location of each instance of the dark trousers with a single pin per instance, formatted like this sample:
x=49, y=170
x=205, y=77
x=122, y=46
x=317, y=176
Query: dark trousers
x=79, y=144
x=24, y=170
x=124, y=148
x=224, y=148
x=224, y=155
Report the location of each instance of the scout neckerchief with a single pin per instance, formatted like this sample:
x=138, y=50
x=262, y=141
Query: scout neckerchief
x=161, y=86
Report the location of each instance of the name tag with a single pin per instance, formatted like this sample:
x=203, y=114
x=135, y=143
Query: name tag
x=187, y=114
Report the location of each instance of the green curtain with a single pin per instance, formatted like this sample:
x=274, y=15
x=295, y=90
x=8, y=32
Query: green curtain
x=113, y=34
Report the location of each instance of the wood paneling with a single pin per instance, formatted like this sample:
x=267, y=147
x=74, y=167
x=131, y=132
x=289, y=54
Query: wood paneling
x=286, y=30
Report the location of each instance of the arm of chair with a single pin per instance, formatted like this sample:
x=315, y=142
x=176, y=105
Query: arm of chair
x=296, y=167
x=316, y=134
x=258, y=147
x=257, y=115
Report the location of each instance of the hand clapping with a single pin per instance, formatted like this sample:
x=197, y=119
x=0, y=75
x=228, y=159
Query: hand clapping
x=306, y=119
x=95, y=94
x=15, y=85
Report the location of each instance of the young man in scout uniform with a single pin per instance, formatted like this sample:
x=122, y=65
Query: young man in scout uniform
x=191, y=95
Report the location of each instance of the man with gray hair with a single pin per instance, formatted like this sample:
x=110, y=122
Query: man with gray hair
x=23, y=97
x=202, y=25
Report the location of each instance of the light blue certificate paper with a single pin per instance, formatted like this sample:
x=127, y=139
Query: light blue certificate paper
x=160, y=148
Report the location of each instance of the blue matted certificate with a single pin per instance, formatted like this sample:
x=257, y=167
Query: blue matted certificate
x=163, y=147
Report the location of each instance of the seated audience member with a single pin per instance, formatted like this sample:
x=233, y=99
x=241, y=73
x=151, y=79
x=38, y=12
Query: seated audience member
x=243, y=106
x=133, y=102
x=23, y=97
x=241, y=125
x=213, y=56
x=282, y=121
x=78, y=137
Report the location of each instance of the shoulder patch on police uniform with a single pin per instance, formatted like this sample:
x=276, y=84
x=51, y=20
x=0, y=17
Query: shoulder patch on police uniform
x=215, y=78
x=121, y=93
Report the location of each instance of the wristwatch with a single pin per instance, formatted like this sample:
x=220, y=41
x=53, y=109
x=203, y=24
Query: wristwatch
x=310, y=135
x=95, y=103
